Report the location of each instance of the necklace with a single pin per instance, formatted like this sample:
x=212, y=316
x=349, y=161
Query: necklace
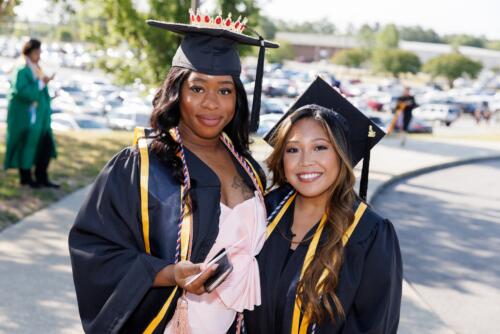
x=303, y=241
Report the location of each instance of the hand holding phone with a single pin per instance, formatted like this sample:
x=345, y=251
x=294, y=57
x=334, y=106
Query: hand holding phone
x=191, y=277
x=224, y=268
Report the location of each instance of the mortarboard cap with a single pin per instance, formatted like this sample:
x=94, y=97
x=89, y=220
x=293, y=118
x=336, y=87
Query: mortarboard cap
x=363, y=133
x=209, y=47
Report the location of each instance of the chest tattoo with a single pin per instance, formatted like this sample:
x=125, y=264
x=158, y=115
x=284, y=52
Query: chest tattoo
x=242, y=187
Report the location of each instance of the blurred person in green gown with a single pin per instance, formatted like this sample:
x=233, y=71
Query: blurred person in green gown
x=30, y=141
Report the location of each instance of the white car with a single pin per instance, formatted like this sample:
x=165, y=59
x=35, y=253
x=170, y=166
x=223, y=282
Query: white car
x=128, y=117
x=68, y=122
x=267, y=122
x=444, y=113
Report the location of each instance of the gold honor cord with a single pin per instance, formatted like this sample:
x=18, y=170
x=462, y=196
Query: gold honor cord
x=140, y=140
x=185, y=236
x=139, y=136
x=304, y=325
x=297, y=326
x=311, y=250
x=256, y=176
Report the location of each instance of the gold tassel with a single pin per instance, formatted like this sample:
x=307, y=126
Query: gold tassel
x=180, y=319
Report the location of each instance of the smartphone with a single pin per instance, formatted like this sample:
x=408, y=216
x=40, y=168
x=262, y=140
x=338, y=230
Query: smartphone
x=223, y=270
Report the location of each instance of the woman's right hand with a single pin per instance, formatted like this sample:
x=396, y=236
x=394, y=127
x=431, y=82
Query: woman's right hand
x=180, y=273
x=184, y=270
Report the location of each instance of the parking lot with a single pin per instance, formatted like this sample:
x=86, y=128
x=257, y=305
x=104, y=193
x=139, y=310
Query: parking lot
x=84, y=98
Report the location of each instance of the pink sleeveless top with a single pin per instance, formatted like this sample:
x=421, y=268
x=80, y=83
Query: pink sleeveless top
x=213, y=313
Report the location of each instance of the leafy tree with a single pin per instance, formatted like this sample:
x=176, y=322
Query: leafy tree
x=284, y=52
x=7, y=7
x=366, y=36
x=418, y=34
x=467, y=40
x=146, y=52
x=267, y=27
x=351, y=57
x=323, y=26
x=64, y=34
x=388, y=37
x=396, y=61
x=452, y=66
x=494, y=45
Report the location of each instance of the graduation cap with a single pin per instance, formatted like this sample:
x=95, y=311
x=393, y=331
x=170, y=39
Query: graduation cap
x=362, y=135
x=209, y=47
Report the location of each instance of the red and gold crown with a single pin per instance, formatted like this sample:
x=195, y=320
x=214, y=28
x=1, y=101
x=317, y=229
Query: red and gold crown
x=206, y=21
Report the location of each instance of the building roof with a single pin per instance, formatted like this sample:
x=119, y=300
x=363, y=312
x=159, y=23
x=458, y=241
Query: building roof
x=425, y=51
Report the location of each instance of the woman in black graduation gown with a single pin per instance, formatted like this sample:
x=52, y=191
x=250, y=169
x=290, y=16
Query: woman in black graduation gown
x=330, y=263
x=152, y=215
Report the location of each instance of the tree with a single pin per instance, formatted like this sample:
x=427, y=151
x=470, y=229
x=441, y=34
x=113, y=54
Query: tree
x=145, y=52
x=351, y=57
x=418, y=34
x=366, y=36
x=452, y=66
x=396, y=61
x=467, y=40
x=284, y=52
x=7, y=7
x=267, y=27
x=494, y=45
x=388, y=37
x=323, y=26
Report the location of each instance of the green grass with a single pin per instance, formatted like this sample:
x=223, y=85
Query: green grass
x=80, y=158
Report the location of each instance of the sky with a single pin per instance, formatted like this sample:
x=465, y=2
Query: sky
x=477, y=17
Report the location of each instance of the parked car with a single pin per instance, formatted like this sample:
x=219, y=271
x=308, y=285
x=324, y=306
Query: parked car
x=127, y=119
x=419, y=126
x=416, y=125
x=272, y=106
x=267, y=122
x=68, y=122
x=444, y=113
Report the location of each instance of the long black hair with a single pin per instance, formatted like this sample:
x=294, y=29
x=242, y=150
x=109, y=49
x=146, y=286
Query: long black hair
x=166, y=115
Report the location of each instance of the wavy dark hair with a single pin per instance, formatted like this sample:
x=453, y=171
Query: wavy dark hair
x=339, y=212
x=166, y=115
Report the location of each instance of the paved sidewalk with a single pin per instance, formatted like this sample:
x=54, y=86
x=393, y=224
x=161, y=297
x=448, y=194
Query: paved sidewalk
x=37, y=294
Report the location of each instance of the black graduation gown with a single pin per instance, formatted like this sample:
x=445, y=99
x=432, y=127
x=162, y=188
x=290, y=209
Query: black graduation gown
x=369, y=286
x=112, y=272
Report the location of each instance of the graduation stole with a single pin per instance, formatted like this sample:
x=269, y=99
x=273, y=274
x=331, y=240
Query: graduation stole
x=185, y=220
x=300, y=327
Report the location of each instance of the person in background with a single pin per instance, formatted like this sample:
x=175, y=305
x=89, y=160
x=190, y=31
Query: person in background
x=29, y=136
x=482, y=112
x=407, y=102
